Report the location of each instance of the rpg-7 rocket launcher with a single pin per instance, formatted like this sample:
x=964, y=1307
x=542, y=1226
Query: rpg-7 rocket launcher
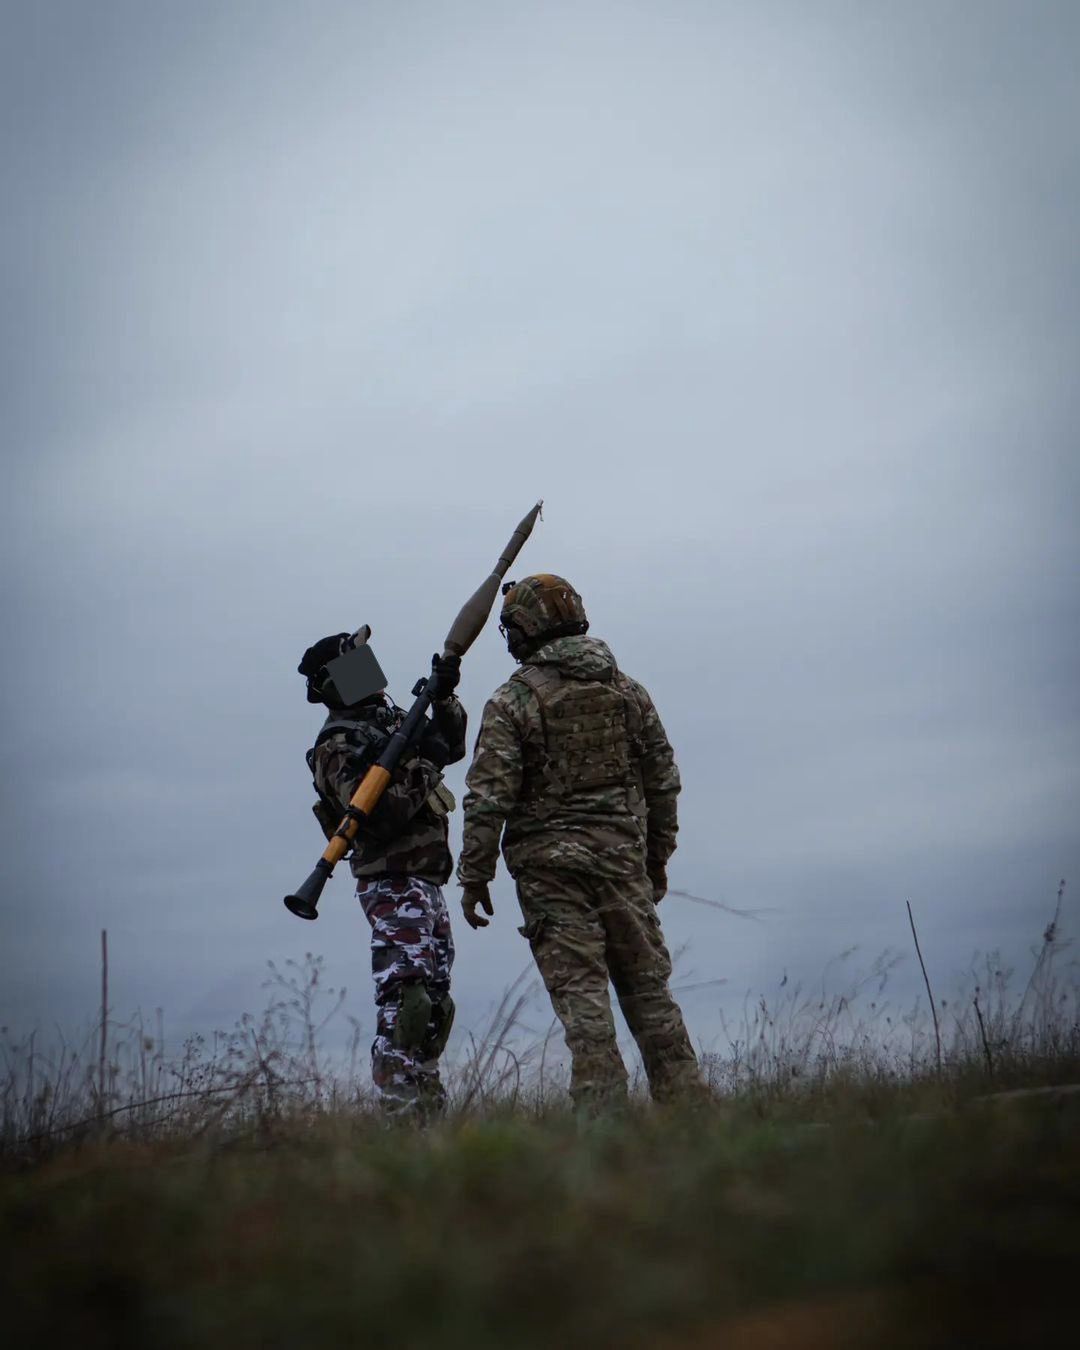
x=463, y=633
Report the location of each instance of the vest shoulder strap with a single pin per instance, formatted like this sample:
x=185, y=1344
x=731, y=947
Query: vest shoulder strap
x=360, y=735
x=540, y=679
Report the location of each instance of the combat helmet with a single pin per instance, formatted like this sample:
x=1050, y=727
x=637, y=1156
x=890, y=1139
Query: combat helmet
x=537, y=609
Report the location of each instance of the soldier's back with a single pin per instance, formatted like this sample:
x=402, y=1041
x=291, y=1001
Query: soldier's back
x=581, y=806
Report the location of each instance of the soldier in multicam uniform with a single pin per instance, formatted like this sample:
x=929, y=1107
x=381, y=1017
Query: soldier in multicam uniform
x=400, y=860
x=573, y=761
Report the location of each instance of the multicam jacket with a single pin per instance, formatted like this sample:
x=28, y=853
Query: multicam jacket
x=407, y=832
x=573, y=759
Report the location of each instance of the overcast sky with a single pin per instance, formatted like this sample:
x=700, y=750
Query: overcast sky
x=775, y=305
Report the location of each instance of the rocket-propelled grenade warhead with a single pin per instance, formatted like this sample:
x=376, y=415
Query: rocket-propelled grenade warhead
x=468, y=625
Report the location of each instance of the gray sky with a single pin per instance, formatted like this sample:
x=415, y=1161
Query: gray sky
x=776, y=305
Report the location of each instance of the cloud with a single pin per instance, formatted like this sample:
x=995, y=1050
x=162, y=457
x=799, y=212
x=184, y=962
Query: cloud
x=777, y=313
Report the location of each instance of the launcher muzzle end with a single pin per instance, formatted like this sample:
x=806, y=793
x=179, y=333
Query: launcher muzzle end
x=304, y=904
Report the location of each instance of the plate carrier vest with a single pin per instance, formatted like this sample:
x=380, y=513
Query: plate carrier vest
x=592, y=739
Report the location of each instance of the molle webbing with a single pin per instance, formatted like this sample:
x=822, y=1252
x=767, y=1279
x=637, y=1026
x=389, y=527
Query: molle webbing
x=328, y=812
x=590, y=734
x=353, y=729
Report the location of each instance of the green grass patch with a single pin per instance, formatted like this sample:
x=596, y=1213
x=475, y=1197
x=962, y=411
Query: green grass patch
x=642, y=1230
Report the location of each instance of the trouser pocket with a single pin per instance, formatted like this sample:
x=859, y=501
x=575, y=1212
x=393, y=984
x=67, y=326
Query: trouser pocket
x=532, y=930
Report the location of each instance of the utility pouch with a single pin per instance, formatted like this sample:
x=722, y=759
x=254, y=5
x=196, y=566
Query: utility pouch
x=441, y=800
x=328, y=822
x=442, y=1020
x=413, y=1017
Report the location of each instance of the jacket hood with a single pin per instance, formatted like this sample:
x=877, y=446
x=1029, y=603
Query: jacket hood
x=581, y=657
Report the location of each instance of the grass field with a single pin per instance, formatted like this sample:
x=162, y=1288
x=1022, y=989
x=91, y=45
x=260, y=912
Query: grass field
x=844, y=1190
x=653, y=1230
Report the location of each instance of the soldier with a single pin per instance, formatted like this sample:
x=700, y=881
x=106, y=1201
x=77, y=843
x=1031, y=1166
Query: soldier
x=400, y=860
x=573, y=760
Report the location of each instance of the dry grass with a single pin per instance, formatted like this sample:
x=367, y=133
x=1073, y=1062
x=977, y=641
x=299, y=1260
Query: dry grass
x=844, y=1191
x=841, y=1047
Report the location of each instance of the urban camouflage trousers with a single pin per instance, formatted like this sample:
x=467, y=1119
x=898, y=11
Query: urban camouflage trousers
x=585, y=930
x=412, y=951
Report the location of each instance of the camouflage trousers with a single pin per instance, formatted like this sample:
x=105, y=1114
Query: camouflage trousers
x=585, y=930
x=412, y=951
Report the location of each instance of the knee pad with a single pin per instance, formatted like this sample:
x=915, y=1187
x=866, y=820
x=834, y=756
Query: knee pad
x=442, y=1020
x=413, y=1017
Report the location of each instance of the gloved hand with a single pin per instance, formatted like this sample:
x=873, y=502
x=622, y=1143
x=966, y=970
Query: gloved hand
x=658, y=876
x=445, y=675
x=473, y=894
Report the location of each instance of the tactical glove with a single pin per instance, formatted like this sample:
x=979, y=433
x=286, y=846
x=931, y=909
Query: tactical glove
x=658, y=876
x=445, y=675
x=473, y=894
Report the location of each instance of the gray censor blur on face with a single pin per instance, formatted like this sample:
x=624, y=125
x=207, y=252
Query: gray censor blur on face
x=776, y=306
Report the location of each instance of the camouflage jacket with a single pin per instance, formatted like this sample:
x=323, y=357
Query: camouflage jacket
x=613, y=830
x=407, y=832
